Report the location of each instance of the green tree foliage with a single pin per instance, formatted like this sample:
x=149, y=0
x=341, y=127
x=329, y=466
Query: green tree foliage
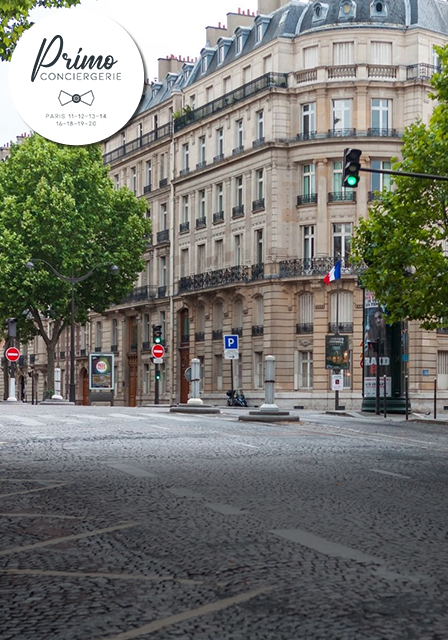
x=58, y=203
x=15, y=19
x=404, y=240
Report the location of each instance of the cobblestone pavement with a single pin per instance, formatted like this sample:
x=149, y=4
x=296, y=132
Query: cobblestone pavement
x=119, y=523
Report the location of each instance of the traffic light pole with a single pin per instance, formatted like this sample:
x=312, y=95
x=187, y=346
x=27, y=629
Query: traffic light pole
x=156, y=386
x=408, y=174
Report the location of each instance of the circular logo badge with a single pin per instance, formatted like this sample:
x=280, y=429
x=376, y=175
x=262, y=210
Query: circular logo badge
x=76, y=77
x=101, y=366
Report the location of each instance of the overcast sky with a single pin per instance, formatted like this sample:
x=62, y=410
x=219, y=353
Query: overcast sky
x=159, y=29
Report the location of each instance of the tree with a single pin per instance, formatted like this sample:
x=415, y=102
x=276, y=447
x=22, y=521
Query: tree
x=404, y=241
x=15, y=19
x=58, y=203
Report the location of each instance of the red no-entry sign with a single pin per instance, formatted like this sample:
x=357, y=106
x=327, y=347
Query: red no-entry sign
x=158, y=351
x=12, y=354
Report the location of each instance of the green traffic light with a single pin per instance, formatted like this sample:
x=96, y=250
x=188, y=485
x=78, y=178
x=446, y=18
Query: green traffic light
x=157, y=340
x=352, y=181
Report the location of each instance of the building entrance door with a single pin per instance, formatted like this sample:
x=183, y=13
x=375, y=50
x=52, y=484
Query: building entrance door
x=184, y=364
x=132, y=386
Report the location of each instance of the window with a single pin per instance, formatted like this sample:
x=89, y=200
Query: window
x=378, y=8
x=202, y=373
x=308, y=179
x=162, y=321
x=220, y=197
x=201, y=258
x=308, y=242
x=163, y=217
x=259, y=311
x=239, y=134
x=381, y=114
x=306, y=309
x=148, y=272
x=310, y=57
x=442, y=369
x=147, y=327
x=259, y=35
x=84, y=341
x=193, y=101
x=238, y=314
x=337, y=177
x=239, y=43
x=201, y=202
x=342, y=239
x=258, y=370
x=259, y=184
x=98, y=335
x=347, y=9
x=140, y=130
x=220, y=142
x=202, y=149
x=308, y=118
x=260, y=124
x=247, y=74
x=184, y=263
x=219, y=254
x=116, y=382
x=267, y=64
x=227, y=84
x=435, y=58
x=162, y=166
x=186, y=156
x=117, y=181
x=380, y=181
x=185, y=209
x=217, y=370
x=259, y=257
x=345, y=307
x=204, y=64
x=343, y=53
x=156, y=121
x=200, y=319
x=221, y=54
x=305, y=369
x=217, y=316
x=146, y=379
x=209, y=93
x=162, y=368
x=114, y=340
x=134, y=180
x=342, y=114
x=123, y=137
x=148, y=173
x=238, y=244
x=162, y=271
x=239, y=190
x=381, y=52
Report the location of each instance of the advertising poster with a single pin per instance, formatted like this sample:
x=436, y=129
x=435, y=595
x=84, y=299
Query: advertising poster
x=101, y=372
x=336, y=352
x=377, y=333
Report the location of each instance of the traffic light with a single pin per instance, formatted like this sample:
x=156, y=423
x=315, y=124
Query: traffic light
x=12, y=327
x=157, y=333
x=350, y=168
x=157, y=374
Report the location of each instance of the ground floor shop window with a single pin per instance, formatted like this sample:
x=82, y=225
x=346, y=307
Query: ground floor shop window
x=258, y=370
x=303, y=375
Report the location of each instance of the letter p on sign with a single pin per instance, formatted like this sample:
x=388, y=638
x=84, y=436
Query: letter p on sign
x=231, y=342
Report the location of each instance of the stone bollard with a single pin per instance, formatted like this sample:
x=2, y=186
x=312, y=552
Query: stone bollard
x=57, y=385
x=269, y=404
x=194, y=399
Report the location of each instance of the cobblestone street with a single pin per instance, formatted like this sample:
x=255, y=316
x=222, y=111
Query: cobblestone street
x=136, y=523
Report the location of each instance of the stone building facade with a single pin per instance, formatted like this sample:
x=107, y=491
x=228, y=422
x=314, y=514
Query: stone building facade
x=239, y=156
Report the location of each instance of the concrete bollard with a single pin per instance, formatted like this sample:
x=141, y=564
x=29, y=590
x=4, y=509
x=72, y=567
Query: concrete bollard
x=194, y=399
x=269, y=404
x=12, y=389
x=57, y=385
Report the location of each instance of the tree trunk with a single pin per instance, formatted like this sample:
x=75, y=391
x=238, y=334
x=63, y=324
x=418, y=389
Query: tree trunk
x=50, y=366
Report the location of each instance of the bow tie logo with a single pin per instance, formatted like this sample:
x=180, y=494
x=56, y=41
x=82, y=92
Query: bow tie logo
x=86, y=98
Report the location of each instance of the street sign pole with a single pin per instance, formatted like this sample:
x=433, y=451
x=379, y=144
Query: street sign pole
x=12, y=384
x=156, y=386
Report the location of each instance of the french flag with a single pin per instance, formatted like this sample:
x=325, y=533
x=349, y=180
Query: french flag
x=333, y=274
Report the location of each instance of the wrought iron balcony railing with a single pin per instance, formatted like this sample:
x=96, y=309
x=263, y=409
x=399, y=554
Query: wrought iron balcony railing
x=342, y=196
x=238, y=150
x=185, y=338
x=442, y=330
x=114, y=348
x=140, y=293
x=304, y=328
x=161, y=292
x=33, y=359
x=421, y=71
x=373, y=195
x=163, y=236
x=201, y=222
x=184, y=226
x=341, y=133
x=199, y=336
x=62, y=355
x=214, y=279
x=313, y=267
x=23, y=360
x=257, y=271
x=97, y=349
x=147, y=188
x=218, y=158
x=83, y=353
x=146, y=346
x=344, y=327
x=138, y=143
x=163, y=183
x=383, y=133
x=258, y=205
x=257, y=330
x=217, y=334
x=258, y=143
x=184, y=172
x=133, y=347
x=309, y=198
x=201, y=165
x=237, y=331
x=267, y=81
x=238, y=211
x=218, y=217
x=307, y=135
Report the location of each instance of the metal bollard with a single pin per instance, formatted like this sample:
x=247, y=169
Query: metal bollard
x=435, y=398
x=195, y=381
x=12, y=386
x=57, y=385
x=269, y=404
x=384, y=396
x=407, y=396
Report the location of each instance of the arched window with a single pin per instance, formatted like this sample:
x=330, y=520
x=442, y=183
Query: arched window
x=238, y=315
x=200, y=319
x=378, y=8
x=345, y=311
x=217, y=316
x=306, y=313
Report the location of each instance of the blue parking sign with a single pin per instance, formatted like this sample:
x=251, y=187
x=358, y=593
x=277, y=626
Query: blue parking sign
x=231, y=342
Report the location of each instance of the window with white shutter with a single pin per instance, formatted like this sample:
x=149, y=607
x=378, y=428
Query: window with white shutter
x=442, y=369
x=310, y=57
x=343, y=53
x=381, y=52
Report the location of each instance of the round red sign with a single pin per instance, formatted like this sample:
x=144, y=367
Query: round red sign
x=158, y=351
x=12, y=354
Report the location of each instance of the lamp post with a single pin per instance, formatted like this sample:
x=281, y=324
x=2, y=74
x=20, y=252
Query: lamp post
x=72, y=280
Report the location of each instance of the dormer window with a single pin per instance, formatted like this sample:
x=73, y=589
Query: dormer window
x=378, y=8
x=347, y=9
x=204, y=64
x=221, y=54
x=320, y=11
x=239, y=43
x=261, y=24
x=259, y=32
x=241, y=34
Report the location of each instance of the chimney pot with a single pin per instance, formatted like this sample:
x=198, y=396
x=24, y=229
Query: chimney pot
x=239, y=10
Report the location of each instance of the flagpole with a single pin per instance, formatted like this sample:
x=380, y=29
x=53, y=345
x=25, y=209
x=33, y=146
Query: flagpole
x=338, y=371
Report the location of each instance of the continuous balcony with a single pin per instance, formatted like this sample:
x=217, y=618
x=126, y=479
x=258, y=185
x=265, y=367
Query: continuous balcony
x=298, y=267
x=238, y=211
x=373, y=195
x=201, y=223
x=342, y=72
x=214, y=279
x=163, y=236
x=344, y=327
x=258, y=205
x=421, y=71
x=342, y=196
x=383, y=71
x=304, y=328
x=383, y=133
x=140, y=294
x=307, y=135
x=139, y=143
x=309, y=198
x=218, y=217
x=257, y=271
x=184, y=227
x=263, y=83
x=341, y=133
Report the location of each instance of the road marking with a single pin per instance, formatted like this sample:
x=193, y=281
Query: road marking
x=389, y=473
x=171, y=417
x=53, y=541
x=225, y=509
x=205, y=609
x=113, y=576
x=186, y=493
x=22, y=493
x=243, y=444
x=125, y=415
x=29, y=422
x=91, y=416
x=39, y=515
x=131, y=470
x=38, y=480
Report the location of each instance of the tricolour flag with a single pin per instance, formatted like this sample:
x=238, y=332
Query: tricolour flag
x=333, y=274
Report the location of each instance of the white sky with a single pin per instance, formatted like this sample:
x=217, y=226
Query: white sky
x=159, y=29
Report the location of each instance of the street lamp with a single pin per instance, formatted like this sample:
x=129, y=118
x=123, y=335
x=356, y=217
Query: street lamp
x=72, y=280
